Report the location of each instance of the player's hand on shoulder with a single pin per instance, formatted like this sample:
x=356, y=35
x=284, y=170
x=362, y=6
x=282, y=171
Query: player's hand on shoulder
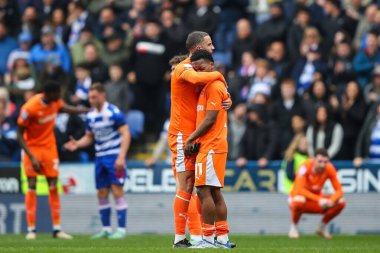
x=226, y=104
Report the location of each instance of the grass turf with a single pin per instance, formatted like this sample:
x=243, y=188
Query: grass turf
x=162, y=243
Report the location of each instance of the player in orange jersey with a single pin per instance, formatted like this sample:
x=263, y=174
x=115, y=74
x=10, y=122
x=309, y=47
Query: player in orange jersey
x=211, y=133
x=185, y=85
x=306, y=195
x=35, y=134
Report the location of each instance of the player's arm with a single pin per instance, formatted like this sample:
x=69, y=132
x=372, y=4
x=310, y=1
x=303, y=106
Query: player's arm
x=83, y=142
x=200, y=78
x=203, y=128
x=124, y=146
x=20, y=137
x=73, y=110
x=338, y=194
x=300, y=186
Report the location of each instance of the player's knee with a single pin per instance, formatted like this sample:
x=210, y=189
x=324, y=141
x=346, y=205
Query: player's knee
x=342, y=203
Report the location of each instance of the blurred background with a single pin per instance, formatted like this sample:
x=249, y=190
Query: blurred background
x=302, y=74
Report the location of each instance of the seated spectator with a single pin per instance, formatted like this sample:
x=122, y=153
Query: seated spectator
x=367, y=145
x=7, y=45
x=9, y=148
x=117, y=88
x=262, y=80
x=295, y=155
x=108, y=23
x=137, y=12
x=324, y=133
x=48, y=46
x=31, y=23
x=341, y=66
x=58, y=22
x=282, y=112
x=273, y=29
x=352, y=115
x=86, y=36
x=175, y=30
x=311, y=39
x=202, y=17
x=366, y=59
x=365, y=25
x=116, y=50
x=372, y=90
x=98, y=69
x=303, y=72
x=278, y=63
x=296, y=32
x=244, y=42
x=257, y=141
x=23, y=52
x=82, y=85
x=45, y=9
x=78, y=18
x=236, y=129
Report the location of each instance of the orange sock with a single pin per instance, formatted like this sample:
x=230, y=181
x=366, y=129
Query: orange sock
x=55, y=207
x=193, y=221
x=208, y=229
x=181, y=206
x=221, y=228
x=31, y=203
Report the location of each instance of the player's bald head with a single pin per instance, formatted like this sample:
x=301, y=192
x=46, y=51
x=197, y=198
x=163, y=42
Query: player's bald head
x=199, y=40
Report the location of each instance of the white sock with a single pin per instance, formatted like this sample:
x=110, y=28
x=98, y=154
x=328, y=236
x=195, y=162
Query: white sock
x=178, y=238
x=122, y=230
x=31, y=229
x=209, y=239
x=196, y=238
x=107, y=229
x=56, y=227
x=293, y=226
x=223, y=238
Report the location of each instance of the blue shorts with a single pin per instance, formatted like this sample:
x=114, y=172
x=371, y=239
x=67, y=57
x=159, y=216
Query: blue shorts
x=106, y=174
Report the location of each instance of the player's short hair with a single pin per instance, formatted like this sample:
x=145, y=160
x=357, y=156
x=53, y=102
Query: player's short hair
x=98, y=87
x=201, y=54
x=195, y=38
x=177, y=59
x=51, y=87
x=321, y=152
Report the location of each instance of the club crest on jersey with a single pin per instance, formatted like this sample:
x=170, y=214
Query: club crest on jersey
x=200, y=108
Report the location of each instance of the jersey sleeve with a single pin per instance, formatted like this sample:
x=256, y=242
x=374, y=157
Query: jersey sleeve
x=215, y=94
x=24, y=117
x=188, y=74
x=119, y=118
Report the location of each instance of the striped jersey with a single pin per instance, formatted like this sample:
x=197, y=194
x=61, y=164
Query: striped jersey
x=104, y=126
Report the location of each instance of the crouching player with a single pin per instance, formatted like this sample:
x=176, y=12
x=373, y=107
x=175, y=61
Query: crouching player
x=306, y=195
x=211, y=133
x=106, y=126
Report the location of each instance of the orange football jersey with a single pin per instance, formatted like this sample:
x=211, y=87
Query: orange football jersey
x=38, y=120
x=309, y=184
x=211, y=98
x=184, y=96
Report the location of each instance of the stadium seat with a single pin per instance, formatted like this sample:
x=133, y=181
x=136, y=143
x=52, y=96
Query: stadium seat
x=135, y=121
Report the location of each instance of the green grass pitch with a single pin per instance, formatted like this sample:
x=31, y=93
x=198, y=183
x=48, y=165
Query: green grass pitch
x=162, y=243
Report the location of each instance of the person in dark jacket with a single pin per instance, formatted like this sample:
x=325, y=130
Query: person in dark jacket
x=257, y=142
x=202, y=17
x=244, y=42
x=352, y=114
x=367, y=145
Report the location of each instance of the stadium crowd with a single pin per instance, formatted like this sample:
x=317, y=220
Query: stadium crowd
x=302, y=74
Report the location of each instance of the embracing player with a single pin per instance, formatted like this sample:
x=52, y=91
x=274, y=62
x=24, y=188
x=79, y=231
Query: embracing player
x=210, y=166
x=35, y=133
x=106, y=125
x=185, y=85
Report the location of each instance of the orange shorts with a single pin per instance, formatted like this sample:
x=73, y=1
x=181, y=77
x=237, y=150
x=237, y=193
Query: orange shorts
x=49, y=159
x=180, y=162
x=210, y=169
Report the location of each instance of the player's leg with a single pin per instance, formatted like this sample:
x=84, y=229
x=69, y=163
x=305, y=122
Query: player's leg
x=296, y=205
x=329, y=214
x=208, y=213
x=104, y=206
x=121, y=211
x=31, y=205
x=194, y=220
x=221, y=224
x=55, y=209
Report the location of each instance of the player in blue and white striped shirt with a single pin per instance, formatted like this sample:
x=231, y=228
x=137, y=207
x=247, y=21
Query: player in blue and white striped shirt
x=106, y=125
